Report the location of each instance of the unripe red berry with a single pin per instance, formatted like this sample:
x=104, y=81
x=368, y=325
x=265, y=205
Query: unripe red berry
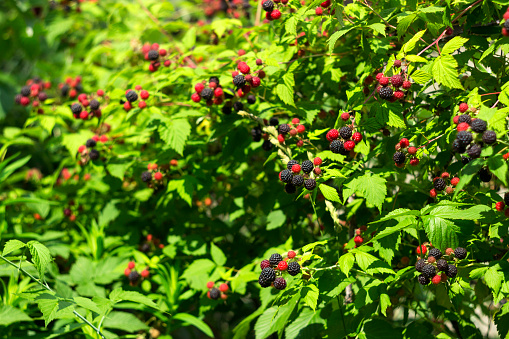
x=210, y=284
x=506, y=212
x=241, y=52
x=167, y=63
x=199, y=87
x=318, y=11
x=275, y=14
x=218, y=92
x=127, y=271
x=397, y=63
x=317, y=171
x=455, y=181
x=436, y=279
x=506, y=15
x=144, y=95
x=404, y=143
x=449, y=251
x=259, y=62
x=127, y=106
x=448, y=31
x=384, y=81
x=158, y=176
x=412, y=150
x=506, y=156
x=345, y=116
x=223, y=287
x=130, y=265
x=463, y=107
x=358, y=240
x=379, y=76
x=256, y=81
x=138, y=87
x=195, y=97
x=282, y=266
x=84, y=115
x=317, y=161
x=281, y=138
x=424, y=249
x=100, y=92
x=499, y=206
x=463, y=126
x=433, y=193
x=414, y=162
x=301, y=129
x=291, y=254
x=296, y=168
x=162, y=52
x=293, y=132
x=243, y=68
x=332, y=134
x=145, y=273
x=142, y=104
x=406, y=84
x=349, y=145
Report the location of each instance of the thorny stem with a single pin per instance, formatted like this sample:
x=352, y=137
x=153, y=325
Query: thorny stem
x=49, y=289
x=430, y=141
x=495, y=104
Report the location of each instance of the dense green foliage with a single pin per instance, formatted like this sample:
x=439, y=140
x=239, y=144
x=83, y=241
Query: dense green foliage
x=72, y=218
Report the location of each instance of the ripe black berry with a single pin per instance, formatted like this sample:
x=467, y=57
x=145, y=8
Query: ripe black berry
x=284, y=128
x=153, y=55
x=345, y=132
x=146, y=176
x=256, y=133
x=506, y=199
x=458, y=147
x=134, y=276
x=227, y=109
x=464, y=137
x=42, y=96
x=267, y=145
x=286, y=176
x=94, y=154
x=297, y=180
x=290, y=189
x=310, y=184
x=419, y=265
x=90, y=143
x=336, y=146
x=214, y=293
x=94, y=105
x=25, y=91
x=474, y=151
x=307, y=166
x=399, y=158
x=131, y=96
x=207, y=93
x=251, y=99
x=293, y=268
x=423, y=280
x=280, y=283
x=478, y=125
x=465, y=160
x=267, y=276
x=65, y=90
x=275, y=259
x=429, y=271
x=290, y=164
x=268, y=6
x=442, y=265
x=489, y=137
x=460, y=253
x=439, y=184
x=386, y=93
x=274, y=121
x=76, y=109
x=464, y=118
x=238, y=106
x=435, y=252
x=484, y=174
x=451, y=271
x=214, y=79
x=239, y=81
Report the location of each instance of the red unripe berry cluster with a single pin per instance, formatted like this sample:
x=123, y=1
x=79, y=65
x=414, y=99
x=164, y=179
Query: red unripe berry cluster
x=410, y=152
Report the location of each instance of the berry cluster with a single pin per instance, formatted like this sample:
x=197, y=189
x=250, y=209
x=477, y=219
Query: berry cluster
x=154, y=54
x=391, y=89
x=436, y=263
x=70, y=211
x=212, y=93
x=293, y=178
x=33, y=93
x=133, y=275
x=440, y=184
x=349, y=138
x=403, y=152
x=88, y=151
x=500, y=206
x=272, y=13
x=153, y=176
x=214, y=293
x=465, y=141
x=151, y=244
x=90, y=102
x=292, y=130
x=505, y=27
x=132, y=96
x=71, y=87
x=324, y=5
x=358, y=239
x=273, y=269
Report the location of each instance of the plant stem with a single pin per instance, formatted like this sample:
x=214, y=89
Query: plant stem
x=49, y=289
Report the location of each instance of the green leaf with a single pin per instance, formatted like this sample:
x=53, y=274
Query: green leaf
x=52, y=308
x=410, y=44
x=118, y=169
x=175, y=134
x=346, y=262
x=108, y=214
x=189, y=39
x=445, y=72
x=311, y=295
x=453, y=44
x=285, y=93
x=125, y=322
x=501, y=320
x=370, y=186
x=404, y=23
x=12, y=245
x=498, y=166
x=10, y=315
x=378, y=27
x=189, y=319
x=334, y=37
x=421, y=77
x=184, y=187
x=330, y=193
x=12, y=167
x=88, y=304
x=263, y=324
x=41, y=256
x=217, y=255
x=276, y=219
x=467, y=173
x=442, y=233
x=118, y=295
x=494, y=278
x=385, y=302
x=291, y=25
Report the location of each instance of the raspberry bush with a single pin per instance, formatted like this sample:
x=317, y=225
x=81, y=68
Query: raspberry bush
x=245, y=169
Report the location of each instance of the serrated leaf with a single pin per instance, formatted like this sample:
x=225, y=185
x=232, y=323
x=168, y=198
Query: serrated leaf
x=311, y=295
x=370, y=186
x=410, y=44
x=329, y=193
x=10, y=315
x=41, y=256
x=421, y=77
x=291, y=25
x=12, y=245
x=118, y=295
x=415, y=58
x=88, y=304
x=385, y=302
x=453, y=44
x=346, y=262
x=276, y=219
x=51, y=307
x=445, y=71
x=175, y=134
x=285, y=93
x=441, y=232
x=404, y=23
x=217, y=255
x=190, y=319
x=498, y=166
x=378, y=27
x=125, y=322
x=334, y=37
